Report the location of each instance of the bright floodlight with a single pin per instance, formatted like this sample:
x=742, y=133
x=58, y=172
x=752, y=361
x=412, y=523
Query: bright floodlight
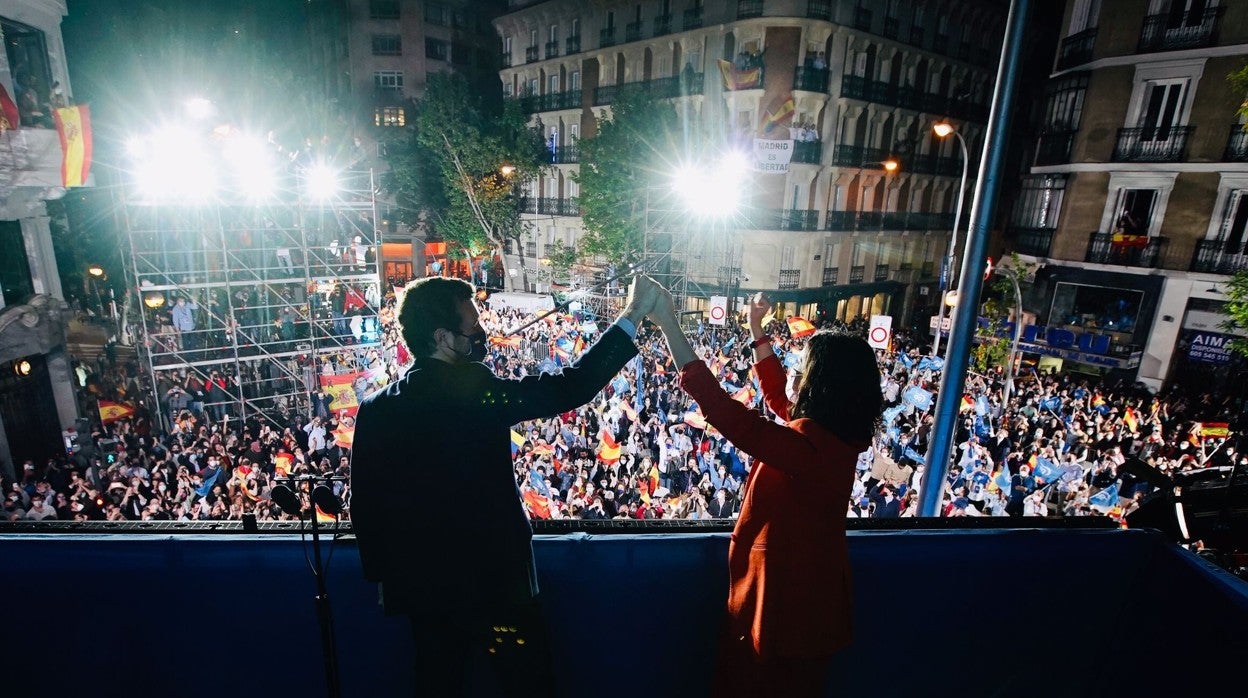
x=891, y=165
x=322, y=182
x=175, y=165
x=714, y=190
x=942, y=129
x=252, y=166
x=198, y=108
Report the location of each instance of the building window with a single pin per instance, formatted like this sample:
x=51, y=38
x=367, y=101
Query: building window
x=388, y=79
x=1135, y=211
x=436, y=13
x=390, y=116
x=1039, y=202
x=1063, y=106
x=437, y=49
x=1235, y=223
x=27, y=51
x=383, y=9
x=387, y=45
x=15, y=276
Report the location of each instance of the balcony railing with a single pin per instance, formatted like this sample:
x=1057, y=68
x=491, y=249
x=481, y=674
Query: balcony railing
x=1152, y=144
x=881, y=272
x=868, y=90
x=789, y=279
x=1033, y=241
x=1054, y=148
x=891, y=27
x=893, y=220
x=810, y=79
x=550, y=206
x=1129, y=251
x=940, y=43
x=692, y=19
x=552, y=49
x=819, y=9
x=606, y=37
x=1076, y=49
x=794, y=219
x=569, y=99
x=841, y=220
x=663, y=25
x=808, y=152
x=661, y=88
x=933, y=165
x=857, y=274
x=1212, y=257
x=916, y=36
x=632, y=31
x=506, y=59
x=749, y=8
x=862, y=19
x=572, y=45
x=530, y=54
x=1236, y=145
x=857, y=156
x=565, y=155
x=1190, y=30
x=830, y=275
x=928, y=270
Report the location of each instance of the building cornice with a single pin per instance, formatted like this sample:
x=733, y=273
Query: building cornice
x=1159, y=167
x=1196, y=54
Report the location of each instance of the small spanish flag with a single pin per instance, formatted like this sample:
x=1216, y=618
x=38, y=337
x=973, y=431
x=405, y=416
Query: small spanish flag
x=517, y=442
x=113, y=411
x=73, y=124
x=772, y=120
x=282, y=463
x=608, y=450
x=695, y=419
x=344, y=436
x=966, y=404
x=322, y=517
x=628, y=410
x=800, y=327
x=1129, y=419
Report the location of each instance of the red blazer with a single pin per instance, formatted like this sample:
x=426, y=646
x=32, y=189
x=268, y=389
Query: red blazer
x=788, y=562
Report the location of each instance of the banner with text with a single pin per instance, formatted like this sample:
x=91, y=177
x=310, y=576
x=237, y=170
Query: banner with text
x=772, y=156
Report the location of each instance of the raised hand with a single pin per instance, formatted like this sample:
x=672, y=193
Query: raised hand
x=760, y=306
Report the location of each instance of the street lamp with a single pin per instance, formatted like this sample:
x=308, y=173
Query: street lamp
x=942, y=130
x=891, y=165
x=97, y=272
x=154, y=300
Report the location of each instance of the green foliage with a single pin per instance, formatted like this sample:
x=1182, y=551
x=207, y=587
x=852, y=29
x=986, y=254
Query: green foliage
x=992, y=346
x=630, y=152
x=1239, y=83
x=447, y=166
x=561, y=257
x=1237, y=309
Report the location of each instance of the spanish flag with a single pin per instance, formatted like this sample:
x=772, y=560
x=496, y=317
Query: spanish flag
x=113, y=411
x=517, y=442
x=800, y=327
x=628, y=410
x=322, y=517
x=773, y=119
x=734, y=79
x=512, y=341
x=282, y=463
x=608, y=450
x=966, y=404
x=344, y=436
x=73, y=124
x=539, y=506
x=1129, y=419
x=695, y=419
x=10, y=117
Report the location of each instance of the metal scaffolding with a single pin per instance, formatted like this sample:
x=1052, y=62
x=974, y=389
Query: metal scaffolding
x=278, y=293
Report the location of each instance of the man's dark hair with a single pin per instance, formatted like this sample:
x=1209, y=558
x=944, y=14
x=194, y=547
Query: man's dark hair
x=428, y=305
x=840, y=386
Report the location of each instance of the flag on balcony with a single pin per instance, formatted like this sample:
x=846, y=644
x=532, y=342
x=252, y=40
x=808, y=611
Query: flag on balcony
x=773, y=119
x=1126, y=240
x=10, y=118
x=73, y=124
x=740, y=78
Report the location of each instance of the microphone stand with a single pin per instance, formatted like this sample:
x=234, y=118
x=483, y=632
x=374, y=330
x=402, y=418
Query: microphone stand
x=324, y=614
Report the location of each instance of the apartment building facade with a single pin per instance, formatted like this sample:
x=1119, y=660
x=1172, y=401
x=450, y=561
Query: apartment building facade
x=36, y=393
x=836, y=233
x=1133, y=205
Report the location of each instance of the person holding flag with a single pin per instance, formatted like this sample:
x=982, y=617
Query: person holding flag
x=787, y=543
x=458, y=590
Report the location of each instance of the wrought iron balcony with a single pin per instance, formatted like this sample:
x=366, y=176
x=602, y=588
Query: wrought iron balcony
x=862, y=19
x=881, y=272
x=789, y=279
x=857, y=156
x=870, y=220
x=808, y=152
x=530, y=54
x=1033, y=241
x=810, y=79
x=795, y=219
x=891, y=27
x=552, y=49
x=1152, y=144
x=565, y=155
x=526, y=204
x=632, y=31
x=940, y=43
x=1076, y=49
x=857, y=274
x=1191, y=29
x=841, y=220
x=1236, y=145
x=1129, y=251
x=1054, y=148
x=692, y=19
x=830, y=275
x=819, y=9
x=606, y=37
x=1214, y=257
x=551, y=206
x=663, y=24
x=749, y=8
x=916, y=35
x=572, y=45
x=878, y=91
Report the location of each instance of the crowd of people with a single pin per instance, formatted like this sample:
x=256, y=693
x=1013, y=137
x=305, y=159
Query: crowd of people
x=640, y=450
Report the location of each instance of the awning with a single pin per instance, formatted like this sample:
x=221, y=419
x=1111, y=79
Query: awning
x=400, y=251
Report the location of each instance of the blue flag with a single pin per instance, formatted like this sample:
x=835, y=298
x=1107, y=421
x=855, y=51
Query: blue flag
x=209, y=481
x=1047, y=470
x=915, y=456
x=982, y=430
x=1051, y=403
x=1106, y=499
x=890, y=415
x=728, y=345
x=905, y=360
x=1003, y=480
x=920, y=398
x=1079, y=394
x=792, y=360
x=620, y=385
x=981, y=405
x=925, y=363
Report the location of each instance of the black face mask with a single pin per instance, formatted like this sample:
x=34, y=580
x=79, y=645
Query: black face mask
x=477, y=349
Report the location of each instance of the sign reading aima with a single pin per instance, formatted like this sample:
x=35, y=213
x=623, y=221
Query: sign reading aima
x=1209, y=347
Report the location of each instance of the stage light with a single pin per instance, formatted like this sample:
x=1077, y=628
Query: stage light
x=715, y=191
x=22, y=368
x=176, y=166
x=198, y=108
x=322, y=182
x=154, y=300
x=252, y=165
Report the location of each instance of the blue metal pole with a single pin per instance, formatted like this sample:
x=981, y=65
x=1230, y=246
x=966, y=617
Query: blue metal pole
x=965, y=316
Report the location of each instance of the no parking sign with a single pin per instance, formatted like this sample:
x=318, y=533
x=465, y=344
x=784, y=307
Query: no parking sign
x=881, y=331
x=717, y=312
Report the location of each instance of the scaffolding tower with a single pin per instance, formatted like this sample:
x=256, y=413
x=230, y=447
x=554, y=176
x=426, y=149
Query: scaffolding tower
x=279, y=293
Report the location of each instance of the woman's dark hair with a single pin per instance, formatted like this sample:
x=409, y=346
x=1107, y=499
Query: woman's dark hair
x=840, y=386
x=428, y=305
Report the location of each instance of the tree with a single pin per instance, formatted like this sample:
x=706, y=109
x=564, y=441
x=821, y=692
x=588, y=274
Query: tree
x=1239, y=82
x=618, y=165
x=1237, y=309
x=448, y=168
x=993, y=343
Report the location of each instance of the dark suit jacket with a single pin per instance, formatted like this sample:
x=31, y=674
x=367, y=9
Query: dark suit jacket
x=434, y=502
x=788, y=562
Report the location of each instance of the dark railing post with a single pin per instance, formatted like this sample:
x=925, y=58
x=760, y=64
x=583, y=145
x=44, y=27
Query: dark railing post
x=965, y=317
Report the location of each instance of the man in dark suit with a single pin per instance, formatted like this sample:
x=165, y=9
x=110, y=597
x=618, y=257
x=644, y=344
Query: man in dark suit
x=463, y=574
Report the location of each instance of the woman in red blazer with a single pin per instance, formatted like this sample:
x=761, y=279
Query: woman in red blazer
x=788, y=562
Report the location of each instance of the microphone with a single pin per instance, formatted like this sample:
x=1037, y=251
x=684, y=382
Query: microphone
x=286, y=500
x=325, y=500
